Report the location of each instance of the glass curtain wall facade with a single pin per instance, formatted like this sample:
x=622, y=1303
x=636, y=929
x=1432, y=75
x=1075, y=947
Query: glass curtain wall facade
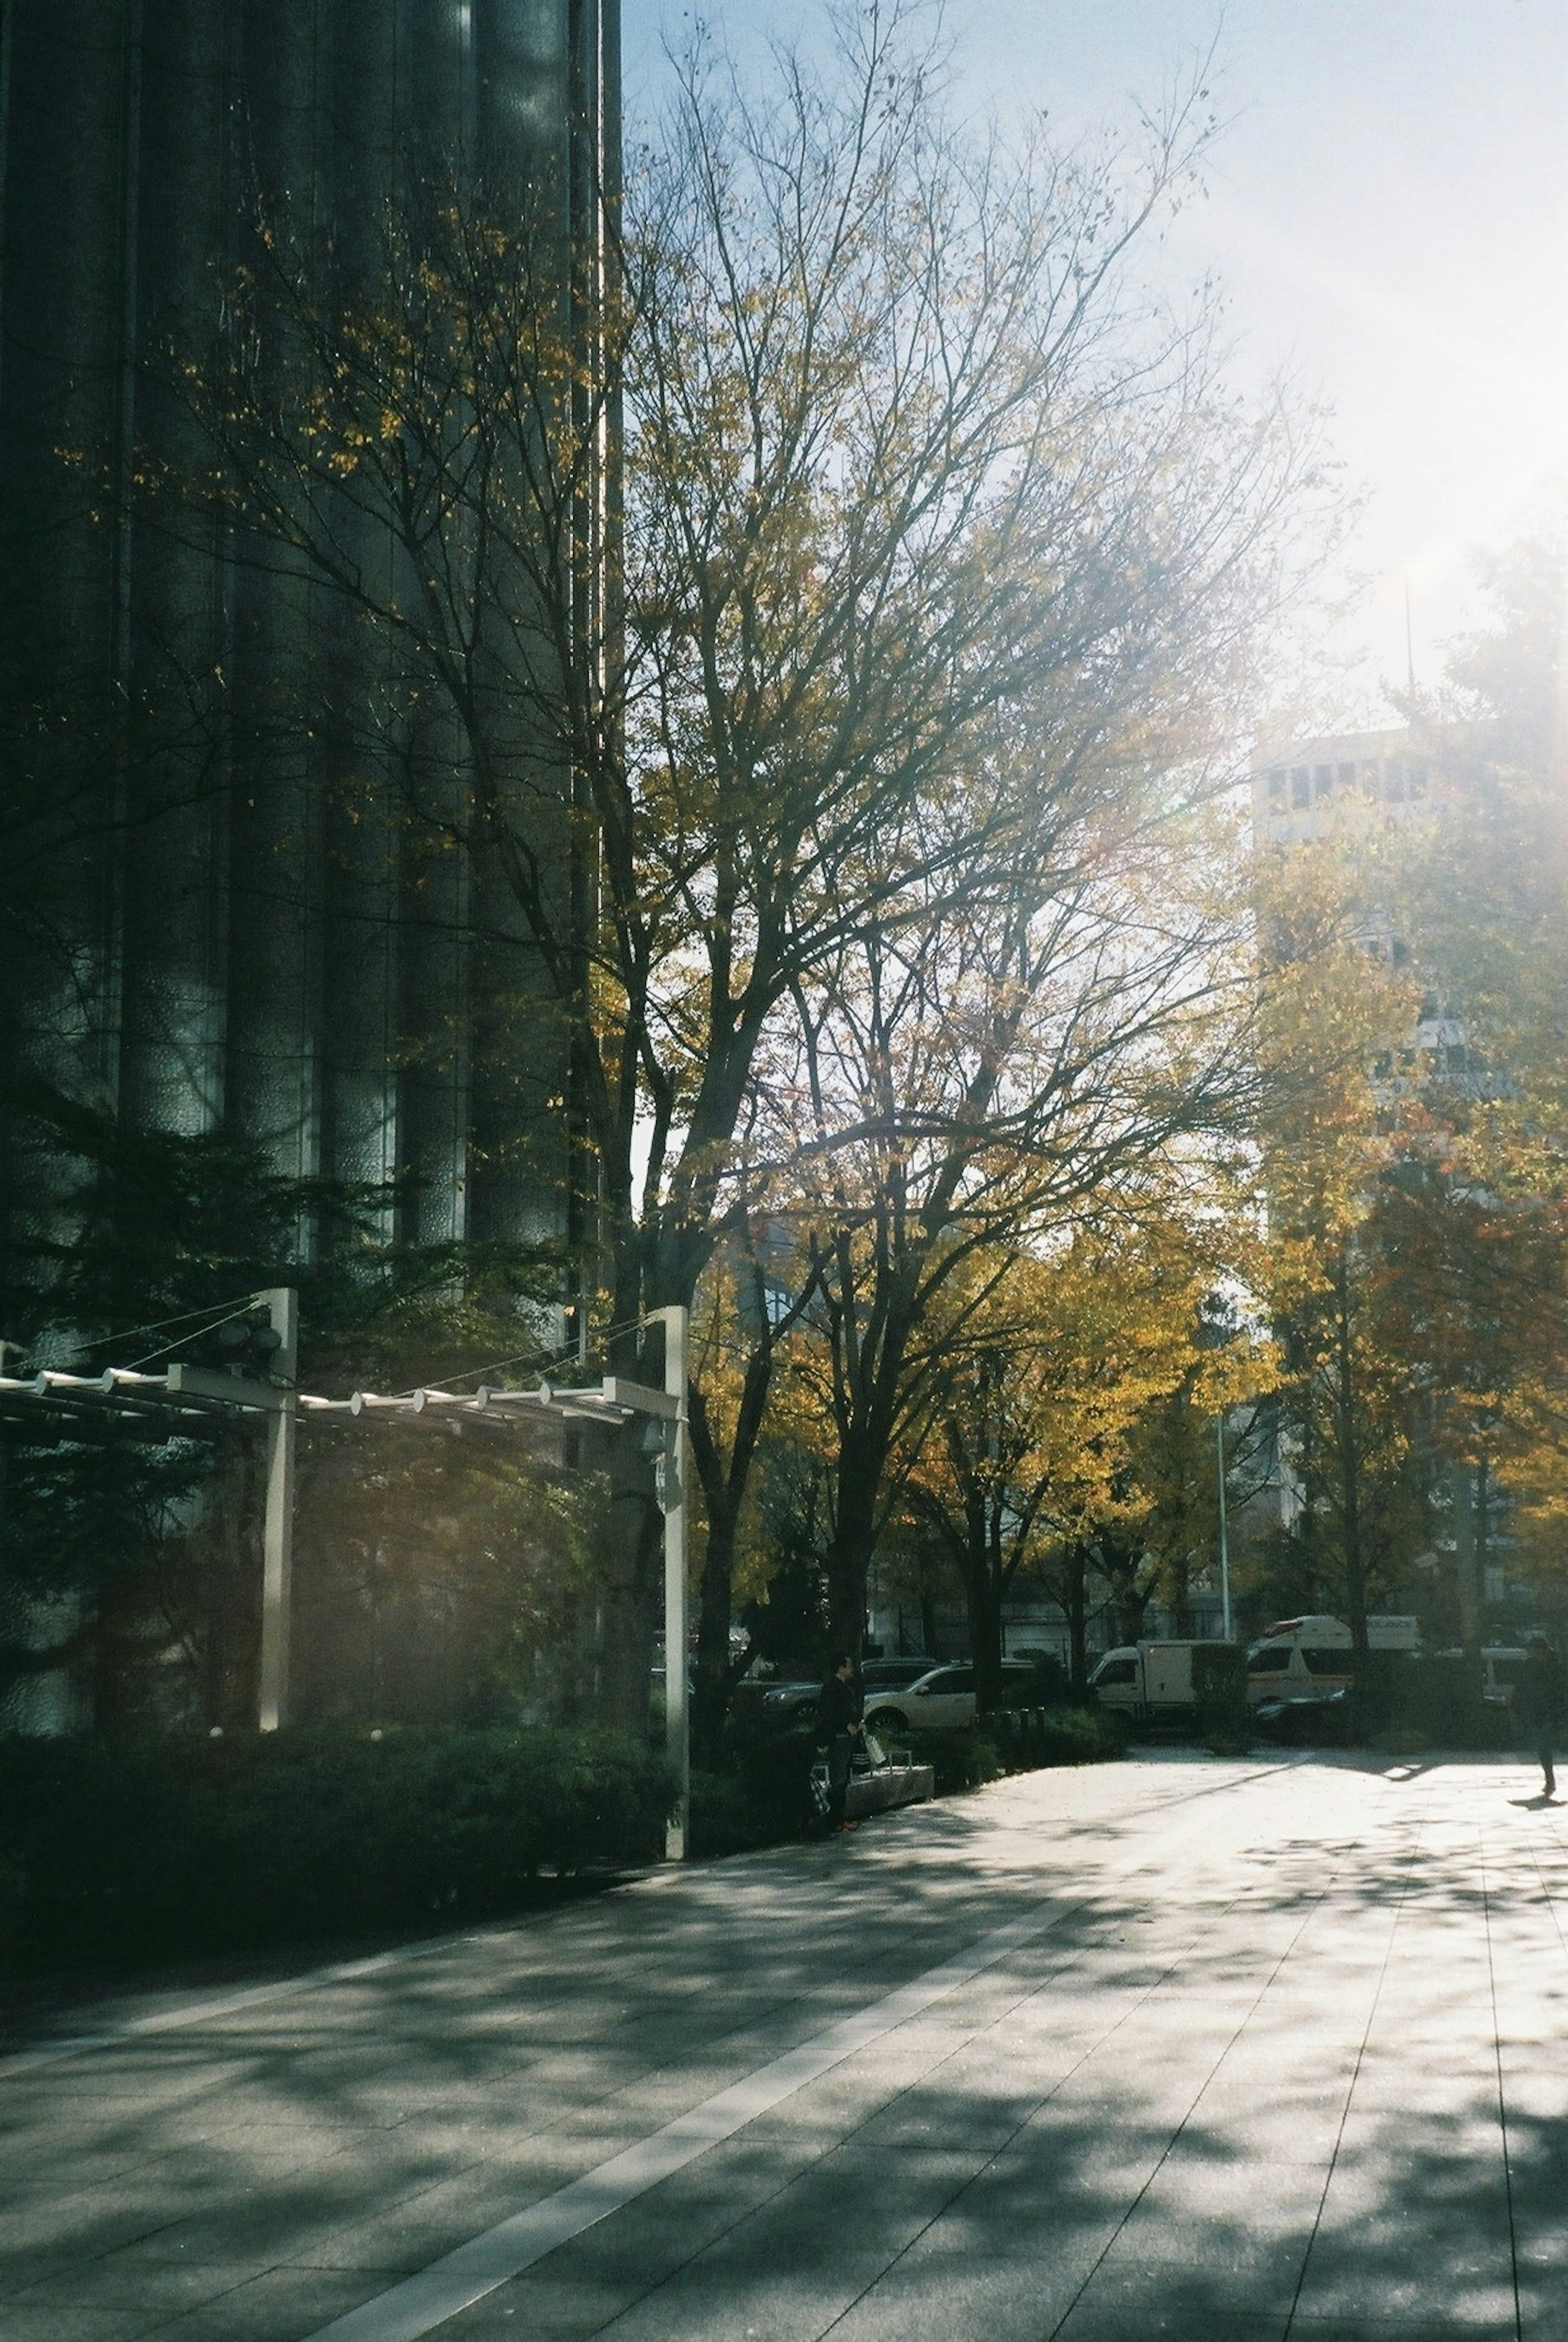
x=212, y=923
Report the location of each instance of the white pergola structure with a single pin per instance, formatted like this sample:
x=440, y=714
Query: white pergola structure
x=192, y=1402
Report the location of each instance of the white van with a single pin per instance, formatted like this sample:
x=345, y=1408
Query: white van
x=1310, y=1658
x=1146, y=1681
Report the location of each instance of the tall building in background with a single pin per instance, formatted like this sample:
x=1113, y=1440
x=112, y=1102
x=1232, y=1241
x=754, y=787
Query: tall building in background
x=1349, y=783
x=209, y=926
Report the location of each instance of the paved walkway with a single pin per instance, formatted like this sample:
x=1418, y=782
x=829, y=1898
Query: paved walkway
x=1176, y=2046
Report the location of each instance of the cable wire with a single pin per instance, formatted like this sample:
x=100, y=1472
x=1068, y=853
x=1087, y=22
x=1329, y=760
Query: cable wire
x=161, y=1325
x=223, y=1317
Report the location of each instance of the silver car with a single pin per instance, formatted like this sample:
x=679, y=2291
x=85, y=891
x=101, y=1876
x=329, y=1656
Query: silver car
x=943, y=1697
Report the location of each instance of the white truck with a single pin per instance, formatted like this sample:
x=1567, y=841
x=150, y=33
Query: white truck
x=1293, y=1659
x=1147, y=1682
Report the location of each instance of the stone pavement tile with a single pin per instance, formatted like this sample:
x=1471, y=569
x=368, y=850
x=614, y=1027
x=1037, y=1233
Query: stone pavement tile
x=278, y=2306
x=928, y=2117
x=1289, y=2027
x=1544, y=2305
x=1534, y=2094
x=1259, y=2270
x=267, y=2226
x=538, y=2309
x=945, y=2290
x=37, y=2240
x=1260, y=2200
x=1433, y=2326
x=1188, y=2304
x=73, y=2325
x=721, y=2298
x=844, y=2201
x=1302, y=2130
x=123, y=2283
x=1239, y=2095
x=396, y=2241
x=1412, y=2270
x=1441, y=2136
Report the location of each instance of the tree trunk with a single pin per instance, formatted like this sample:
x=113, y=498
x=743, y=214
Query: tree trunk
x=1077, y=1609
x=849, y=1553
x=1349, y=1460
x=983, y=1597
x=1465, y=1482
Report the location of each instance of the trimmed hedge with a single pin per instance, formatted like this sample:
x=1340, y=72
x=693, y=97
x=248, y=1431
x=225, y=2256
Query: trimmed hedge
x=1437, y=1697
x=1405, y=1701
x=767, y=1797
x=1031, y=1737
x=113, y=1852
x=1220, y=1694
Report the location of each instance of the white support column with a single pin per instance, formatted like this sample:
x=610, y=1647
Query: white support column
x=277, y=1535
x=677, y=1719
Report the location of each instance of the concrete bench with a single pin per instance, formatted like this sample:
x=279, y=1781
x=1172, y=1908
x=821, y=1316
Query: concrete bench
x=889, y=1785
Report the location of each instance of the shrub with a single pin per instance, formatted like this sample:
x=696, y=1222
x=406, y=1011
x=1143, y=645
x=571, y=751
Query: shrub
x=1220, y=1694
x=764, y=1797
x=964, y=1755
x=119, y=1851
x=1080, y=1735
x=1050, y=1686
x=1438, y=1697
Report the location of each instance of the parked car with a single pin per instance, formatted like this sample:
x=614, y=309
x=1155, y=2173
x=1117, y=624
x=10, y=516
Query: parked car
x=782, y=1700
x=792, y=1702
x=944, y=1697
x=894, y=1675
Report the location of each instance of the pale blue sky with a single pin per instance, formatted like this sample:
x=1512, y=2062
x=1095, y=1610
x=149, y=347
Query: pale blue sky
x=1388, y=211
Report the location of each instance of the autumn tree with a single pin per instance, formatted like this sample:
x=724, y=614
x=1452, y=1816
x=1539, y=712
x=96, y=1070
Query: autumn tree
x=1333, y=1003
x=1049, y=1453
x=1003, y=1069
x=1477, y=1221
x=1417, y=1195
x=728, y=576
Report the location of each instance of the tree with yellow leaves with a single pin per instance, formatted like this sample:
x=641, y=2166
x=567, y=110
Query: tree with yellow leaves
x=1332, y=999
x=1050, y=1448
x=736, y=606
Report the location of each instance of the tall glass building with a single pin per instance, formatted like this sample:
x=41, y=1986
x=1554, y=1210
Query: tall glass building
x=209, y=924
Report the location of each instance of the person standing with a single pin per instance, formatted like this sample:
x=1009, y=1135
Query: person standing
x=839, y=1707
x=1539, y=1704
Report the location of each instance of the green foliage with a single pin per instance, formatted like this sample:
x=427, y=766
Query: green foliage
x=1401, y=1704
x=963, y=1756
x=1059, y=1736
x=135, y=1564
x=440, y=1580
x=117, y=1852
x=765, y=1796
x=1438, y=1697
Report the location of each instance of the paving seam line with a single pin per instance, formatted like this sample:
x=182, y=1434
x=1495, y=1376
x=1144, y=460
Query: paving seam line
x=1501, y=2099
x=1072, y=1960
x=1091, y=2051
x=1313, y=1907
x=1417, y=1825
x=168, y=2020
x=419, y=2304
